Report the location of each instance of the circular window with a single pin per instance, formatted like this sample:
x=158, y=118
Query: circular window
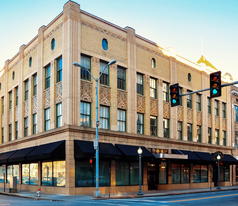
x=189, y=77
x=13, y=75
x=30, y=61
x=153, y=63
x=52, y=44
x=104, y=44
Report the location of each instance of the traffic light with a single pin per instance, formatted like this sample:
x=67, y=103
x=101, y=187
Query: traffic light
x=174, y=95
x=215, y=84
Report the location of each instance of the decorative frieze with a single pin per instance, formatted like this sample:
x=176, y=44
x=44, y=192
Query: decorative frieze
x=166, y=110
x=105, y=95
x=58, y=92
x=26, y=106
x=47, y=98
x=217, y=122
x=140, y=103
x=86, y=91
x=209, y=120
x=16, y=113
x=199, y=118
x=189, y=115
x=34, y=104
x=10, y=116
x=153, y=107
x=224, y=124
x=180, y=113
x=121, y=99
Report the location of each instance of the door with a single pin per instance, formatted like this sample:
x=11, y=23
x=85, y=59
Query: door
x=152, y=183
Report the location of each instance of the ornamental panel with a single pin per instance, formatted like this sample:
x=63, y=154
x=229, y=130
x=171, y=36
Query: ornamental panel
x=199, y=118
x=121, y=99
x=16, y=113
x=180, y=113
x=153, y=107
x=10, y=117
x=58, y=92
x=209, y=120
x=47, y=98
x=140, y=103
x=26, y=106
x=105, y=95
x=34, y=104
x=166, y=110
x=217, y=122
x=190, y=116
x=86, y=91
x=224, y=124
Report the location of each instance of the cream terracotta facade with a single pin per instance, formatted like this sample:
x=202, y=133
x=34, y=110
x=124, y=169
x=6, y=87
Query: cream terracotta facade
x=77, y=32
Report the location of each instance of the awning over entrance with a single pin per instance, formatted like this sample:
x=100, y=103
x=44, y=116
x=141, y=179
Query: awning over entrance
x=205, y=156
x=55, y=150
x=227, y=159
x=191, y=155
x=4, y=157
x=20, y=155
x=86, y=149
x=130, y=152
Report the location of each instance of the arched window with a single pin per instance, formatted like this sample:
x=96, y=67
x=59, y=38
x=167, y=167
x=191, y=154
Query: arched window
x=104, y=44
x=53, y=44
x=30, y=61
x=189, y=77
x=153, y=63
x=13, y=75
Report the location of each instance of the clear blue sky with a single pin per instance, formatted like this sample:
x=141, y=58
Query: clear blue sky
x=176, y=23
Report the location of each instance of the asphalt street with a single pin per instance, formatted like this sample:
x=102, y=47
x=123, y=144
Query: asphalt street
x=212, y=198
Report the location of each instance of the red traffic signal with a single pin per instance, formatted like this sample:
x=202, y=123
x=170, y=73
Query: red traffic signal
x=174, y=95
x=215, y=84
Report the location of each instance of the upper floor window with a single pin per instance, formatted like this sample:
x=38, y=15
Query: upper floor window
x=30, y=61
x=165, y=91
x=180, y=130
x=180, y=98
x=224, y=137
x=47, y=119
x=140, y=123
x=223, y=110
x=199, y=102
x=121, y=78
x=85, y=114
x=236, y=109
x=34, y=123
x=86, y=62
x=153, y=63
x=13, y=75
x=26, y=89
x=104, y=44
x=139, y=83
x=217, y=136
x=153, y=88
x=104, y=72
x=190, y=132
x=53, y=44
x=166, y=127
x=25, y=126
x=217, y=107
x=121, y=120
x=104, y=117
x=209, y=105
x=189, y=100
x=189, y=77
x=10, y=100
x=199, y=135
x=47, y=77
x=59, y=70
x=2, y=105
x=10, y=132
x=209, y=138
x=16, y=96
x=35, y=85
x=59, y=115
x=153, y=125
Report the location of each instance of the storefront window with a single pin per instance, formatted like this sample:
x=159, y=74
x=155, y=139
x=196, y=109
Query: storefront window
x=236, y=173
x=162, y=173
x=175, y=173
x=59, y=173
x=185, y=173
x=46, y=173
x=25, y=174
x=12, y=170
x=1, y=175
x=122, y=173
x=204, y=173
x=134, y=173
x=196, y=173
x=227, y=172
x=9, y=173
x=34, y=174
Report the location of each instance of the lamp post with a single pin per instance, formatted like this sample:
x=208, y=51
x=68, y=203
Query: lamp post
x=139, y=151
x=218, y=159
x=97, y=192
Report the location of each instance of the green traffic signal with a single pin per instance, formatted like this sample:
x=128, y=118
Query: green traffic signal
x=215, y=84
x=174, y=95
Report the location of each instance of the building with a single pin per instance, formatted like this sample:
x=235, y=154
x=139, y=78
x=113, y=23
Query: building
x=48, y=113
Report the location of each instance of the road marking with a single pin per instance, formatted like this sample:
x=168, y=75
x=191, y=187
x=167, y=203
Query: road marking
x=4, y=204
x=202, y=198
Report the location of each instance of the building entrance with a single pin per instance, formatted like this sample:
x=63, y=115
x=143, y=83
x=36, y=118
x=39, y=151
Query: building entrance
x=152, y=176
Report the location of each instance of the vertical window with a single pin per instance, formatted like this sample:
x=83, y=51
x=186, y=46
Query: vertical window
x=189, y=77
x=153, y=63
x=180, y=92
x=199, y=102
x=139, y=83
x=153, y=127
x=59, y=70
x=33, y=174
x=10, y=132
x=47, y=77
x=59, y=115
x=16, y=130
x=199, y=138
x=185, y=173
x=121, y=120
x=223, y=110
x=35, y=85
x=165, y=92
x=104, y=44
x=153, y=88
x=10, y=100
x=209, y=105
x=16, y=96
x=209, y=138
x=189, y=100
x=236, y=109
x=236, y=140
x=13, y=75
x=121, y=78
x=175, y=173
x=26, y=127
x=30, y=61
x=166, y=127
x=26, y=89
x=52, y=44
x=47, y=119
x=224, y=137
x=104, y=79
x=104, y=117
x=163, y=172
x=2, y=105
x=217, y=136
x=34, y=123
x=180, y=130
x=85, y=114
x=216, y=107
x=140, y=123
x=86, y=62
x=2, y=134
x=190, y=132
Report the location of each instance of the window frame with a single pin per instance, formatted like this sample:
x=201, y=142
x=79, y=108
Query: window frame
x=191, y=132
x=47, y=77
x=209, y=135
x=34, y=84
x=85, y=105
x=189, y=100
x=106, y=118
x=166, y=91
x=140, y=124
x=47, y=120
x=153, y=88
x=224, y=137
x=121, y=121
x=166, y=130
x=153, y=128
x=209, y=105
x=10, y=100
x=223, y=109
x=217, y=108
x=121, y=82
x=10, y=132
x=199, y=133
x=25, y=126
x=59, y=73
x=34, y=123
x=16, y=130
x=85, y=62
x=217, y=138
x=198, y=102
x=59, y=115
x=180, y=132
x=26, y=89
x=104, y=79
x=16, y=96
x=139, y=84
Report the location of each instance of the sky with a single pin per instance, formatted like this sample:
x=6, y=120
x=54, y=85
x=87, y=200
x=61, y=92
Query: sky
x=170, y=23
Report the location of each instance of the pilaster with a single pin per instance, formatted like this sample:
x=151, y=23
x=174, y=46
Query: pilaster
x=204, y=109
x=185, y=115
x=229, y=118
x=52, y=94
x=213, y=120
x=147, y=104
x=194, y=106
x=160, y=108
x=30, y=130
x=6, y=105
x=220, y=123
x=13, y=112
x=113, y=85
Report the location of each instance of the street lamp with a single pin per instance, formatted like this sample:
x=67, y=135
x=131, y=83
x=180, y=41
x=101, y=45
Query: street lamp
x=97, y=192
x=139, y=151
x=218, y=159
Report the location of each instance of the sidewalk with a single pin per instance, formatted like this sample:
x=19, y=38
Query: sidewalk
x=58, y=197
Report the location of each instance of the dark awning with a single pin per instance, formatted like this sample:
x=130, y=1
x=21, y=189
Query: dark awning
x=55, y=150
x=191, y=155
x=205, y=156
x=4, y=157
x=130, y=152
x=86, y=149
x=227, y=159
x=20, y=155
